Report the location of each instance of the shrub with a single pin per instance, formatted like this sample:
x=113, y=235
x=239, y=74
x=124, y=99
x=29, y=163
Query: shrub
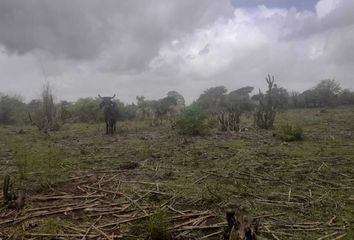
x=193, y=121
x=12, y=109
x=290, y=133
x=157, y=227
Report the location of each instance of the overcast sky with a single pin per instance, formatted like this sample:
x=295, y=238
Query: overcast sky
x=149, y=47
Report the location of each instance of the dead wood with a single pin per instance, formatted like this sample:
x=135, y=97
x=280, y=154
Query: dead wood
x=240, y=226
x=12, y=199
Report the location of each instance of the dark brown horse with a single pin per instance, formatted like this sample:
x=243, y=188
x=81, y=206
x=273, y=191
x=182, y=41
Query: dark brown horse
x=110, y=111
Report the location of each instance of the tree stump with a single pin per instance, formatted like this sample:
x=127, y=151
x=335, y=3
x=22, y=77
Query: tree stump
x=240, y=225
x=12, y=199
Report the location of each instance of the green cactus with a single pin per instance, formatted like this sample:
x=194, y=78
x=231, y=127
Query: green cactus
x=266, y=110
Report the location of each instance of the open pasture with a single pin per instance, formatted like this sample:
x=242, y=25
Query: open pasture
x=80, y=183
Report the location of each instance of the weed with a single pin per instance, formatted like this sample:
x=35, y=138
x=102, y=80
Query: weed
x=290, y=133
x=43, y=164
x=156, y=227
x=50, y=226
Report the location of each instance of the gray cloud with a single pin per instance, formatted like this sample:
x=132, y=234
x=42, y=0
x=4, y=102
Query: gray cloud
x=128, y=32
x=149, y=47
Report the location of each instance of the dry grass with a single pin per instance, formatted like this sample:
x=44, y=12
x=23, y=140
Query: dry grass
x=298, y=190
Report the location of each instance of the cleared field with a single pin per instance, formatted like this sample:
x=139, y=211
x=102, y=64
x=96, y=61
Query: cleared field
x=81, y=183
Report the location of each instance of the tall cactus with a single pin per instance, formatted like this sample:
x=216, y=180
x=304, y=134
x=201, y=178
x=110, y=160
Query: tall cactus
x=266, y=110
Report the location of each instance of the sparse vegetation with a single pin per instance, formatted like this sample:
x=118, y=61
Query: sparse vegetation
x=43, y=163
x=45, y=115
x=78, y=178
x=157, y=227
x=293, y=182
x=290, y=133
x=51, y=226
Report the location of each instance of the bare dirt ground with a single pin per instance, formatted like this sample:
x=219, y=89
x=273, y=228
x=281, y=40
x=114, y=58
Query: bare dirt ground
x=81, y=184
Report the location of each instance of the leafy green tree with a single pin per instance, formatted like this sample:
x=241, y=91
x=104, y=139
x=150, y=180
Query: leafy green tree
x=280, y=97
x=212, y=100
x=12, y=109
x=346, y=97
x=327, y=92
x=294, y=100
x=126, y=111
x=144, y=110
x=129, y=111
x=164, y=106
x=180, y=103
x=178, y=97
x=64, y=111
x=156, y=110
x=86, y=110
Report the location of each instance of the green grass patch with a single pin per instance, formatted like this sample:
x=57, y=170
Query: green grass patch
x=290, y=133
x=157, y=227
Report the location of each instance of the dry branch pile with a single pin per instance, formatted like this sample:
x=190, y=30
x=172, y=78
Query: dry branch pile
x=99, y=209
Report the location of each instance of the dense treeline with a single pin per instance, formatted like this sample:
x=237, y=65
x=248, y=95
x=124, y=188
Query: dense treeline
x=226, y=107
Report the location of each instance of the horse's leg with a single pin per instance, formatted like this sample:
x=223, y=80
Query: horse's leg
x=106, y=127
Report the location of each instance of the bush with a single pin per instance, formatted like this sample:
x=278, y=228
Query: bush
x=290, y=133
x=193, y=121
x=12, y=109
x=157, y=227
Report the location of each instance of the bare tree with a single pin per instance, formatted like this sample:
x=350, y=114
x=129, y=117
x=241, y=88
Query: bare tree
x=46, y=117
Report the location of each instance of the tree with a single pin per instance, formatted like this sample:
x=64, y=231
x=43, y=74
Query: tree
x=180, y=102
x=178, y=97
x=294, y=100
x=212, y=99
x=162, y=108
x=156, y=110
x=310, y=98
x=86, y=110
x=280, y=97
x=144, y=107
x=12, y=109
x=346, y=97
x=64, y=111
x=46, y=114
x=227, y=108
x=327, y=91
x=128, y=112
x=234, y=105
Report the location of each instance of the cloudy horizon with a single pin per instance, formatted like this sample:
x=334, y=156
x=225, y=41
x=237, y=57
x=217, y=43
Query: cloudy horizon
x=149, y=47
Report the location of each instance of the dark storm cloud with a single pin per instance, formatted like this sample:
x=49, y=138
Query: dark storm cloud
x=130, y=32
x=65, y=28
x=149, y=47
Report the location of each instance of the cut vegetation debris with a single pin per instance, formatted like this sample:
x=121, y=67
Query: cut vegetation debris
x=81, y=184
